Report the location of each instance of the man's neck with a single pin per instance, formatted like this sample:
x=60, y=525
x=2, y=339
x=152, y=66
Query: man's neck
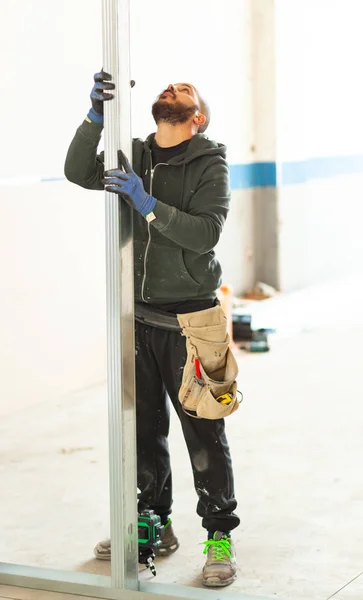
x=171, y=135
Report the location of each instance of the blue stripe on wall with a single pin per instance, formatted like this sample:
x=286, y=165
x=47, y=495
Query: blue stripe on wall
x=260, y=174
x=50, y=179
x=264, y=174
x=296, y=172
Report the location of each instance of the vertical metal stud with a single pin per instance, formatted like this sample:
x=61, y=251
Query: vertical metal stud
x=120, y=307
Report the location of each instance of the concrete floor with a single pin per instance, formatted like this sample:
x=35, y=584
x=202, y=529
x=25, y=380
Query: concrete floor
x=297, y=444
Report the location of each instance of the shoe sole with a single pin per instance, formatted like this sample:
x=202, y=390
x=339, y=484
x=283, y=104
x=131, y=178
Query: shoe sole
x=162, y=551
x=99, y=557
x=216, y=582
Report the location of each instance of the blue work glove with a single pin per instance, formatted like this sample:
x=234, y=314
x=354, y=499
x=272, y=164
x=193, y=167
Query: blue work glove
x=99, y=95
x=130, y=187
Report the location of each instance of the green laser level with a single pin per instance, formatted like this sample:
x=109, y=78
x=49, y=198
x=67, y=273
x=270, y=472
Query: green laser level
x=150, y=532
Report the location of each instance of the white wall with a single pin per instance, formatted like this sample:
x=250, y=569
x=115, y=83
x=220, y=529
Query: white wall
x=52, y=293
x=52, y=301
x=319, y=96
x=50, y=53
x=319, y=103
x=321, y=233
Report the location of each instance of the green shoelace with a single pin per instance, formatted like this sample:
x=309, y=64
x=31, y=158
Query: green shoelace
x=221, y=548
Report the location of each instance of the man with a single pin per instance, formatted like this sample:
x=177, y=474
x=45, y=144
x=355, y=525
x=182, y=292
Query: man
x=179, y=190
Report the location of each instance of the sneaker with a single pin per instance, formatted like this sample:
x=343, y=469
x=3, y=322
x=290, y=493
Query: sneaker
x=220, y=568
x=169, y=541
x=169, y=545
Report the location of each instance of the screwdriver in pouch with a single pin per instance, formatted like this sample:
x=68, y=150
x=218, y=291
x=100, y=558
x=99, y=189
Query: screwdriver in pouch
x=198, y=375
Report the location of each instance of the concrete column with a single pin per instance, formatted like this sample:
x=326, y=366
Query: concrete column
x=263, y=146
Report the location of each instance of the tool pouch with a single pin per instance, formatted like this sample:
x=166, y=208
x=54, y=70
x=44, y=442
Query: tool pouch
x=211, y=368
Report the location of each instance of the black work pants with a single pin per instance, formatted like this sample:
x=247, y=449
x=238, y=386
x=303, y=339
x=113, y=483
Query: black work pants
x=160, y=359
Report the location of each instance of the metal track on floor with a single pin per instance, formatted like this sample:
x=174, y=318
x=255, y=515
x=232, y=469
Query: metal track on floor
x=99, y=586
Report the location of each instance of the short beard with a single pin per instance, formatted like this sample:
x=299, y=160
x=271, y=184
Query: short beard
x=172, y=112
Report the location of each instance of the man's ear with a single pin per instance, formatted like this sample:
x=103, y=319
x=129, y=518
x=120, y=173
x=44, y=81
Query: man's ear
x=199, y=119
